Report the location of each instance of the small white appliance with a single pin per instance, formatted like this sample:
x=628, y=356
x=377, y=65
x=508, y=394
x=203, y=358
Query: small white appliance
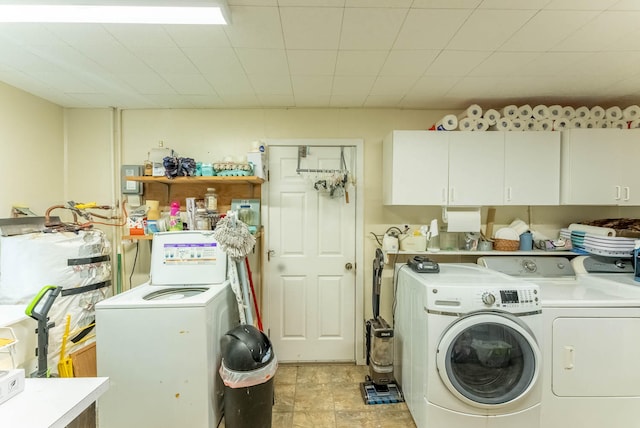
x=591, y=329
x=468, y=351
x=159, y=342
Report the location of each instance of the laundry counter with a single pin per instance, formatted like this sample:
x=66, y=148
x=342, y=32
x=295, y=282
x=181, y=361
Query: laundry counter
x=51, y=402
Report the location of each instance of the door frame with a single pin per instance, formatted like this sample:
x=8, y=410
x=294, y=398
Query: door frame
x=358, y=198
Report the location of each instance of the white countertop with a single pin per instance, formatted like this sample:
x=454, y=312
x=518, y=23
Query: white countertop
x=11, y=314
x=51, y=402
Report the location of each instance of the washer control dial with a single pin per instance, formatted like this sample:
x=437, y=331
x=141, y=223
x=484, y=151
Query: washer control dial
x=488, y=298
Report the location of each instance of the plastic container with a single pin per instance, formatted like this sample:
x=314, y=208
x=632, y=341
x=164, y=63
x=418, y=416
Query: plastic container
x=174, y=216
x=211, y=200
x=247, y=371
x=203, y=221
x=636, y=258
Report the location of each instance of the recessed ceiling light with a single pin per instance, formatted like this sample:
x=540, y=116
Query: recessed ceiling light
x=202, y=13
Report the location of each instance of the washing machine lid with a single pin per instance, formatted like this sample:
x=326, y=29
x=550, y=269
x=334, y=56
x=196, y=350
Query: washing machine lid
x=187, y=257
x=488, y=360
x=154, y=296
x=589, y=290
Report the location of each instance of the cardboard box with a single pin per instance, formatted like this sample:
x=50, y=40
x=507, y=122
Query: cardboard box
x=11, y=383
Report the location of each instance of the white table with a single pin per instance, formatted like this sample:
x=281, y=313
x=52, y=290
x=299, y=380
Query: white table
x=52, y=402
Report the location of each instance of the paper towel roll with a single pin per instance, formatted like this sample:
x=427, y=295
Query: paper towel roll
x=606, y=124
x=474, y=111
x=517, y=124
x=503, y=124
x=619, y=124
x=510, y=111
x=482, y=125
x=524, y=111
x=560, y=124
x=544, y=125
x=583, y=112
x=568, y=112
x=577, y=123
x=540, y=112
x=613, y=113
x=631, y=113
x=591, y=123
x=555, y=112
x=530, y=124
x=466, y=124
x=634, y=124
x=447, y=123
x=593, y=230
x=491, y=116
x=463, y=220
x=597, y=112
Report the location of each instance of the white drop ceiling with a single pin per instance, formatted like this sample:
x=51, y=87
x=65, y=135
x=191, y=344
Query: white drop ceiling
x=435, y=54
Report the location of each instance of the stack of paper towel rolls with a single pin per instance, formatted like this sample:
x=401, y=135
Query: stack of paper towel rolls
x=539, y=118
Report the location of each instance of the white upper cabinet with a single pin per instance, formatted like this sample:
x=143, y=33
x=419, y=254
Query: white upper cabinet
x=471, y=168
x=476, y=168
x=598, y=167
x=532, y=168
x=415, y=168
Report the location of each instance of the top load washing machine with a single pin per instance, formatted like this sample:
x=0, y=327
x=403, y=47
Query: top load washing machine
x=591, y=348
x=467, y=347
x=159, y=342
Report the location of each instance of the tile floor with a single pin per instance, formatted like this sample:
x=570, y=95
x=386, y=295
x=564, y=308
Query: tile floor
x=328, y=396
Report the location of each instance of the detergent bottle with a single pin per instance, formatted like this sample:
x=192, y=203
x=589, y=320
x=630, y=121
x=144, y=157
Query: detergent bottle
x=174, y=216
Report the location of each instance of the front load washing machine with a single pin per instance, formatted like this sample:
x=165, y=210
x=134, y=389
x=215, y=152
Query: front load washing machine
x=469, y=352
x=591, y=349
x=159, y=342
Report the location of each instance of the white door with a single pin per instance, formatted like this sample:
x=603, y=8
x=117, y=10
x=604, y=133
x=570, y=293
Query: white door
x=310, y=269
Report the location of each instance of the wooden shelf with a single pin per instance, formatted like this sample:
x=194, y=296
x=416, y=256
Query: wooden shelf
x=198, y=180
x=137, y=237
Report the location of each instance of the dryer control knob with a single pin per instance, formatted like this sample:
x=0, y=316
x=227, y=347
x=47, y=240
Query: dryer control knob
x=488, y=298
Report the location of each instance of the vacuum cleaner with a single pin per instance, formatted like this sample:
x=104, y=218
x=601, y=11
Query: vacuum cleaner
x=379, y=386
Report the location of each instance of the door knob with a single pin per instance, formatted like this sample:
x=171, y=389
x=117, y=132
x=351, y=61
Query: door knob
x=348, y=266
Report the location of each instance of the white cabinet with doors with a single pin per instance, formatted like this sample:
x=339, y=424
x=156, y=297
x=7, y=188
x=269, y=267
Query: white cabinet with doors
x=598, y=167
x=471, y=168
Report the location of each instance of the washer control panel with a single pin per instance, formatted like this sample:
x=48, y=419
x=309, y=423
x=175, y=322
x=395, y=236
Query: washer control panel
x=518, y=298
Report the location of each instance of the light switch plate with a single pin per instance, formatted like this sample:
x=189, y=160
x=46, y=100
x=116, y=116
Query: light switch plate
x=131, y=187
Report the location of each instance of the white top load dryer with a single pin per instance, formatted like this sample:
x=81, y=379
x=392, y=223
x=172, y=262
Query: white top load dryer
x=591, y=346
x=159, y=342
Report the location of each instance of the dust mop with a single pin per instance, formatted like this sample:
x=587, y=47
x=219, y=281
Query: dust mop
x=236, y=240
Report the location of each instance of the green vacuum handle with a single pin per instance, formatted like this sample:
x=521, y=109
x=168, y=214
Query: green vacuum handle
x=48, y=291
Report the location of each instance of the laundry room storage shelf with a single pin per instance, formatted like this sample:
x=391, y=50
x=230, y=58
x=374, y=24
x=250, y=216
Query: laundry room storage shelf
x=200, y=180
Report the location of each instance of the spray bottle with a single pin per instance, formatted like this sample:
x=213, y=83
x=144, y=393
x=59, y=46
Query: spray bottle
x=174, y=216
x=434, y=237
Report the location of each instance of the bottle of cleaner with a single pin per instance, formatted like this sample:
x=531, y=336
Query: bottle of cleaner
x=434, y=237
x=174, y=216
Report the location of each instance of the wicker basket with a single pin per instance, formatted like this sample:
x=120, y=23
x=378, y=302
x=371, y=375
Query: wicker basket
x=506, y=244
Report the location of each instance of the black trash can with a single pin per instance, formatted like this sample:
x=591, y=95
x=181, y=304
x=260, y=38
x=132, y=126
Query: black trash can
x=247, y=370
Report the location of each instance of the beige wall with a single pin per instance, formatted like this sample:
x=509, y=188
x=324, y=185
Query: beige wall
x=31, y=137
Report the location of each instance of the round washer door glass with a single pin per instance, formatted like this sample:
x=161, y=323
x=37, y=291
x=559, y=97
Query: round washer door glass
x=488, y=359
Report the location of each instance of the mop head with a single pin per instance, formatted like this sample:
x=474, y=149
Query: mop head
x=234, y=237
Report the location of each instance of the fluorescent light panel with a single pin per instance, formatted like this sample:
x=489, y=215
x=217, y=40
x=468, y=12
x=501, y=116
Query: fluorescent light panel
x=104, y=14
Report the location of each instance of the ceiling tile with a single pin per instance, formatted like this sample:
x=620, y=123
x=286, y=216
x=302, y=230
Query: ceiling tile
x=214, y=60
x=390, y=85
x=626, y=5
x=212, y=36
x=29, y=34
x=271, y=84
x=263, y=61
x=504, y=64
x=456, y=63
x=83, y=34
x=115, y=58
x=227, y=85
x=379, y=3
x=146, y=83
x=482, y=31
x=63, y=81
x=513, y=4
x=136, y=35
x=408, y=62
x=312, y=3
x=601, y=32
x=445, y=4
x=311, y=27
x=546, y=30
x=188, y=84
x=166, y=60
x=205, y=101
x=430, y=28
x=350, y=100
x=243, y=100
x=371, y=28
x=435, y=86
x=255, y=27
x=367, y=63
x=273, y=100
x=580, y=4
x=312, y=62
x=320, y=85
x=553, y=63
x=252, y=3
x=352, y=85
x=376, y=101
x=312, y=100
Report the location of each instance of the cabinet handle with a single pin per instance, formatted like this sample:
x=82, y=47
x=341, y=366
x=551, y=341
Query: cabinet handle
x=627, y=193
x=509, y=194
x=451, y=192
x=444, y=195
x=618, y=193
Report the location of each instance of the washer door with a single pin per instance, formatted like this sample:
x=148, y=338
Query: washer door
x=488, y=359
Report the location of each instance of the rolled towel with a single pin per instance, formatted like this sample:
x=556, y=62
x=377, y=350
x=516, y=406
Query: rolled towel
x=568, y=112
x=503, y=124
x=577, y=123
x=613, y=113
x=591, y=123
x=545, y=125
x=583, y=112
x=524, y=111
x=619, y=124
x=491, y=116
x=560, y=124
x=510, y=111
x=474, y=111
x=447, y=123
x=466, y=124
x=631, y=113
x=597, y=113
x=555, y=112
x=634, y=124
x=540, y=112
x=482, y=125
x=518, y=124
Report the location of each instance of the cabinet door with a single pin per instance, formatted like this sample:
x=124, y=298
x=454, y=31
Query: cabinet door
x=626, y=158
x=591, y=167
x=476, y=168
x=532, y=168
x=415, y=168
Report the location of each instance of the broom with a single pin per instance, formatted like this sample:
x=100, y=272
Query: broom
x=236, y=240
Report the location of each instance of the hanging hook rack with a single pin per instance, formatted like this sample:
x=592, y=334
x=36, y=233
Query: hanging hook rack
x=303, y=149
